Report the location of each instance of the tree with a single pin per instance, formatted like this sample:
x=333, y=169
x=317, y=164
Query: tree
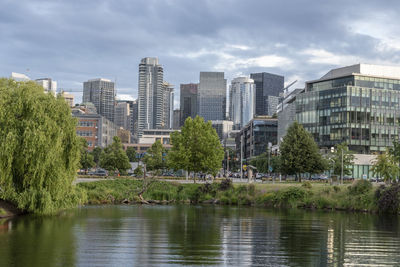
x=300, y=153
x=39, y=149
x=114, y=158
x=261, y=163
x=232, y=160
x=96, y=155
x=138, y=171
x=196, y=148
x=86, y=159
x=386, y=166
x=154, y=158
x=131, y=153
x=395, y=152
x=336, y=160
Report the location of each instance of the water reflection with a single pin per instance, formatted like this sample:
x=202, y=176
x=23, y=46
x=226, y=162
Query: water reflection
x=199, y=235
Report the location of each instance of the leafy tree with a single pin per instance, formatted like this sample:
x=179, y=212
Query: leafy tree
x=395, y=152
x=154, y=157
x=114, y=158
x=196, y=148
x=138, y=171
x=131, y=153
x=261, y=163
x=336, y=160
x=96, y=155
x=86, y=161
x=300, y=153
x=39, y=149
x=386, y=166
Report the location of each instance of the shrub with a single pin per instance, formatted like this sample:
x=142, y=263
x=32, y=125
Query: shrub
x=336, y=188
x=360, y=187
x=388, y=199
x=251, y=189
x=307, y=185
x=225, y=184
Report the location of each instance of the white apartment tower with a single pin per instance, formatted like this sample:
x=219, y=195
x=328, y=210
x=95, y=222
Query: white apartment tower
x=150, y=99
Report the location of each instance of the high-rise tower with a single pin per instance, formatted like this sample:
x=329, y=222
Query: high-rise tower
x=212, y=96
x=101, y=93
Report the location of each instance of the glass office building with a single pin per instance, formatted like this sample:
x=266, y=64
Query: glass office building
x=358, y=104
x=211, y=96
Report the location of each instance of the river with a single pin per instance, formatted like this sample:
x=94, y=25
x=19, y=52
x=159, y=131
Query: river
x=199, y=235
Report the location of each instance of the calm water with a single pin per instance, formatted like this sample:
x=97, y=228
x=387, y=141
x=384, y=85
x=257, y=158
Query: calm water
x=199, y=235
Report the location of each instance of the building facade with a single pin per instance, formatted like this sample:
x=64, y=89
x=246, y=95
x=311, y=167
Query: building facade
x=242, y=101
x=48, y=85
x=150, y=99
x=268, y=88
x=96, y=129
x=286, y=112
x=212, y=96
x=255, y=136
x=122, y=117
x=168, y=106
x=188, y=101
x=222, y=128
x=101, y=93
x=69, y=98
x=358, y=104
x=177, y=119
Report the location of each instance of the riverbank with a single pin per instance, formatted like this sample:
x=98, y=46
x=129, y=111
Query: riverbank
x=8, y=210
x=359, y=196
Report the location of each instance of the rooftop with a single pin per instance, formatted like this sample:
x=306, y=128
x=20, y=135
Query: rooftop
x=392, y=72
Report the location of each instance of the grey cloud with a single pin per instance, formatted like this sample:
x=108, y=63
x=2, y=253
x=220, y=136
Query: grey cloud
x=72, y=41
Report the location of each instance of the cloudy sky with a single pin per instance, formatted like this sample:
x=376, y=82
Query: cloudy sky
x=73, y=40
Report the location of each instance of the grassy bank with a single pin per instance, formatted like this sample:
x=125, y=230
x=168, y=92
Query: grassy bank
x=360, y=196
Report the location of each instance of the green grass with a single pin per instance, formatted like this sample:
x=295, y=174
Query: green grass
x=303, y=195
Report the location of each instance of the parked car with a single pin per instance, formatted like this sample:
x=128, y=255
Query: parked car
x=321, y=177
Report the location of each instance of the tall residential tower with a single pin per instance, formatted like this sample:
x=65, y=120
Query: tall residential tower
x=101, y=93
x=150, y=100
x=242, y=101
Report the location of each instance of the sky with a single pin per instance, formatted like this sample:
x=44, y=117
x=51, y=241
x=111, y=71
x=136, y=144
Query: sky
x=72, y=41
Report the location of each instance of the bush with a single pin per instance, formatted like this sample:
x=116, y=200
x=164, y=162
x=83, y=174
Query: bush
x=225, y=184
x=388, y=199
x=251, y=189
x=336, y=188
x=360, y=187
x=307, y=185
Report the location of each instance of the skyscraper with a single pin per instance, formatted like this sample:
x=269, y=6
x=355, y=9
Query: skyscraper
x=150, y=107
x=242, y=101
x=268, y=87
x=212, y=96
x=101, y=93
x=168, y=106
x=188, y=101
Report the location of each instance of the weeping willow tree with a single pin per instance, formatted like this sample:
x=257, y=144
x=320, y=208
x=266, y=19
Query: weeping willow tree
x=39, y=149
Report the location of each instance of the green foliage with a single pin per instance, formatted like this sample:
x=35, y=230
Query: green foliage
x=388, y=199
x=300, y=153
x=96, y=153
x=261, y=163
x=2, y=212
x=154, y=158
x=336, y=160
x=114, y=158
x=39, y=149
x=138, y=171
x=385, y=166
x=86, y=159
x=131, y=153
x=225, y=184
x=196, y=148
x=360, y=187
x=307, y=185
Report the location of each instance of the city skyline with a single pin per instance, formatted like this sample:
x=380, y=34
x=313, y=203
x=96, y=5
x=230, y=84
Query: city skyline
x=275, y=39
